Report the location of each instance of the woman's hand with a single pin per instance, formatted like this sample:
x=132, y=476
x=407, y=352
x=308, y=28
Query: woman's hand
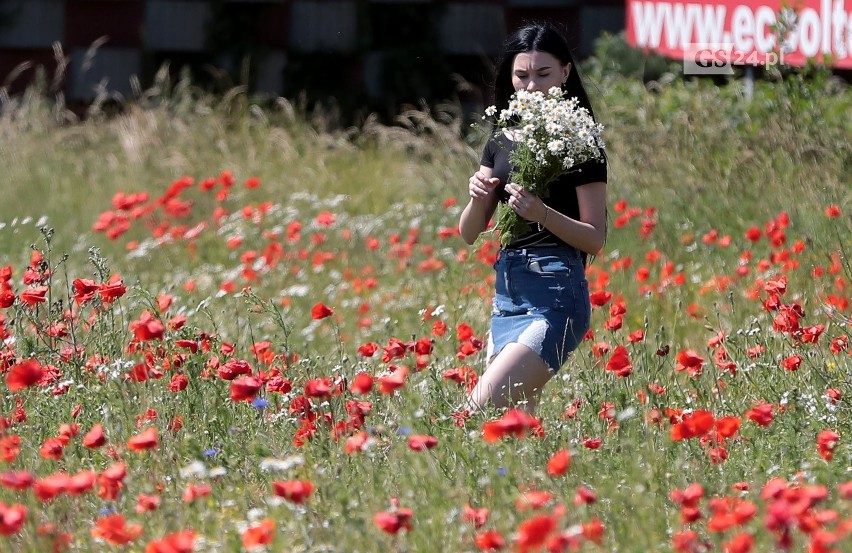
x=526, y=204
x=481, y=187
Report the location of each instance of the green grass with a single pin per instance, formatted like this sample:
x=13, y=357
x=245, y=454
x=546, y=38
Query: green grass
x=701, y=156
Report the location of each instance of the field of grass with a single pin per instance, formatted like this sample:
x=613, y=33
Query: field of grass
x=235, y=327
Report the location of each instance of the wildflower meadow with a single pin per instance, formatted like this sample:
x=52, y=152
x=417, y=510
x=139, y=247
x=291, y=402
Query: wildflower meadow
x=233, y=325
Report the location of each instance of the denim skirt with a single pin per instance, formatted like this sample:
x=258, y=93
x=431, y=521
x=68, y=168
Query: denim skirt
x=541, y=300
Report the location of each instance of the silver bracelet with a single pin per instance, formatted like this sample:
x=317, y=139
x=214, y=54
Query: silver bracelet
x=546, y=211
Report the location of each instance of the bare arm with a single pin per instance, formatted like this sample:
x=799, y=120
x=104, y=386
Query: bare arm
x=586, y=233
x=483, y=201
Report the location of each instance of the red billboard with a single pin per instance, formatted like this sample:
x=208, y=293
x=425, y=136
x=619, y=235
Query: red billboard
x=790, y=32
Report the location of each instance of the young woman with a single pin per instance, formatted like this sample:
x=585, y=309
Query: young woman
x=541, y=306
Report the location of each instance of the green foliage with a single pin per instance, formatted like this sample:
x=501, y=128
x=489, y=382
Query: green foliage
x=615, y=57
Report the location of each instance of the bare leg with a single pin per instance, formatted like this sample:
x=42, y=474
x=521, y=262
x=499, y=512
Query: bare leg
x=517, y=374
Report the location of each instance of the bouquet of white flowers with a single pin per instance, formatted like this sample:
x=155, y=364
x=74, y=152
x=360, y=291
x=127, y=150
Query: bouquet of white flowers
x=552, y=134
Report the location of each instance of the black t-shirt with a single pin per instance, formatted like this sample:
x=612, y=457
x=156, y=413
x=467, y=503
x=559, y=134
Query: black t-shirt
x=562, y=195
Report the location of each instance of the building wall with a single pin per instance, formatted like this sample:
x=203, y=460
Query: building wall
x=373, y=50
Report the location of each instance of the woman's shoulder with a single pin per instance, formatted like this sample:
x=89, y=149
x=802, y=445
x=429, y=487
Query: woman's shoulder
x=499, y=139
x=495, y=146
x=592, y=170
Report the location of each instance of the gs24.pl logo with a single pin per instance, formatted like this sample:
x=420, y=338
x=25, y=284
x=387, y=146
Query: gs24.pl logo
x=720, y=59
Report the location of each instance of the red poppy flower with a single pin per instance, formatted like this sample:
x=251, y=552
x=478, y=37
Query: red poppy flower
x=439, y=329
x=743, y=511
x=777, y=286
x=686, y=541
x=514, y=423
x=753, y=234
x=259, y=534
x=295, y=491
x=110, y=481
x=321, y=311
x=191, y=345
x=693, y=425
x=393, y=522
x=464, y=332
x=52, y=448
x=12, y=518
x=636, y=336
x=592, y=443
x=325, y=218
x=787, y=320
x=689, y=496
x=477, y=517
x=619, y=362
x=584, y=496
x=811, y=334
x=761, y=414
x=689, y=360
x=421, y=442
x=462, y=375
x=145, y=503
x=362, y=384
x=533, y=533
x=395, y=349
x=599, y=298
x=115, y=530
x=81, y=482
x=68, y=431
x=244, y=388
x=147, y=327
x=7, y=298
x=558, y=464
x=614, y=323
x=599, y=349
x=46, y=489
x=18, y=481
x=32, y=296
x=147, y=439
x=193, y=492
x=727, y=426
x=532, y=499
x=23, y=375
x=234, y=368
x=792, y=363
x=179, y=542
x=176, y=323
x=593, y=530
x=490, y=540
x=841, y=343
x=832, y=211
x=368, y=350
x=356, y=443
x=469, y=347
x=84, y=290
x=740, y=543
x=826, y=442
x=95, y=437
x=318, y=387
x=394, y=381
x=834, y=395
x=178, y=383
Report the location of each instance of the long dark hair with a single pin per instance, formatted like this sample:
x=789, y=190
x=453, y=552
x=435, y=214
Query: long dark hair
x=542, y=37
